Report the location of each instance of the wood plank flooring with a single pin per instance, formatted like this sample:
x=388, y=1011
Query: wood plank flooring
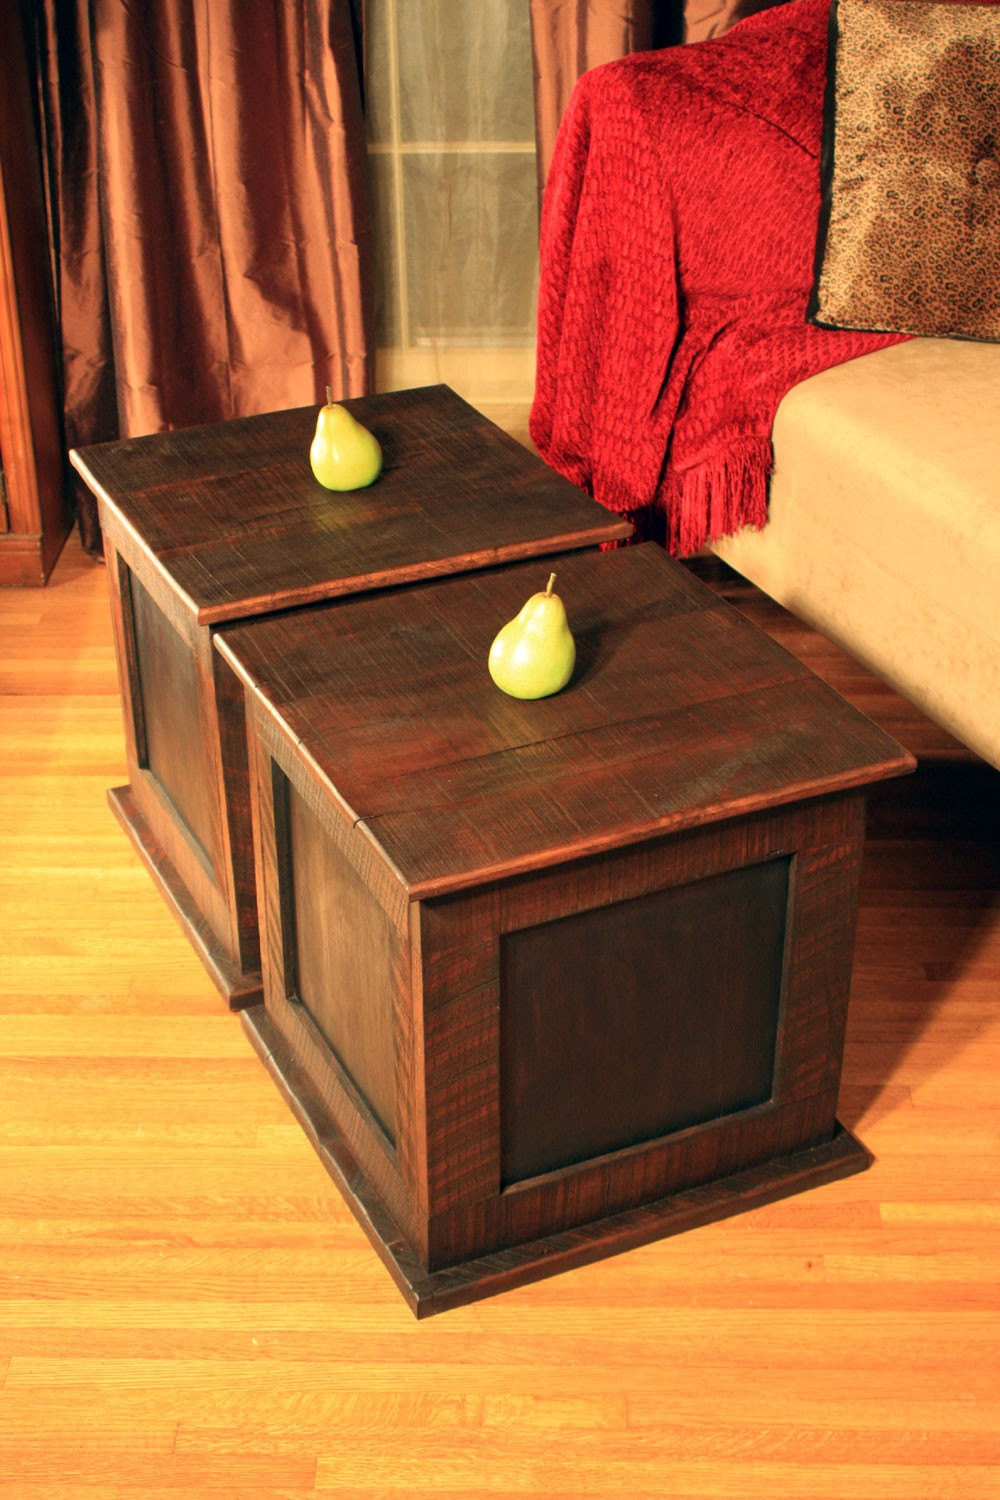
x=187, y=1309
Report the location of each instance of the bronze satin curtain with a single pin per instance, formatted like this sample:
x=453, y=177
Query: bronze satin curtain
x=210, y=227
x=570, y=36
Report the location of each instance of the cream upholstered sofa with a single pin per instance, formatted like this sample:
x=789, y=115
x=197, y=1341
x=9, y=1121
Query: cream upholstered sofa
x=884, y=524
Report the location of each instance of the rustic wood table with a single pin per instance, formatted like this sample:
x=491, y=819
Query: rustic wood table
x=543, y=980
x=223, y=522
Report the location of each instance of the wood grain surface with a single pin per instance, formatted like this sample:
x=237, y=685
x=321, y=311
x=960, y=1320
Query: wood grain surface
x=189, y=1310
x=231, y=515
x=226, y=521
x=678, y=714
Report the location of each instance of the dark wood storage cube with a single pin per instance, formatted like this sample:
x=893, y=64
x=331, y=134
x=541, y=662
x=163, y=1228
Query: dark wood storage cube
x=547, y=979
x=225, y=522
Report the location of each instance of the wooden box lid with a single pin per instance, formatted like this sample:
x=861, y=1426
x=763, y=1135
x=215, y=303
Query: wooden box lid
x=680, y=713
x=232, y=516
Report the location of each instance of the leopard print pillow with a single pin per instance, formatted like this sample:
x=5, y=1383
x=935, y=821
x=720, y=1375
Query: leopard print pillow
x=909, y=233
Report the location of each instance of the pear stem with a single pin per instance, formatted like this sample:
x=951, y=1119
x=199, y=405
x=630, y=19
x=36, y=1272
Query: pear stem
x=329, y=396
x=552, y=579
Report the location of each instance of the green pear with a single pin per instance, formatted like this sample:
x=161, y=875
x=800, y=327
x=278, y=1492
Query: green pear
x=534, y=654
x=343, y=454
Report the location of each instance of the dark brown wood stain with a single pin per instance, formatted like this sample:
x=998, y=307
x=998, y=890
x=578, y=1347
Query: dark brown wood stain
x=613, y=928
x=226, y=521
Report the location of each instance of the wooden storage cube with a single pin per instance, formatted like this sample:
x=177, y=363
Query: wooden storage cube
x=545, y=979
x=226, y=522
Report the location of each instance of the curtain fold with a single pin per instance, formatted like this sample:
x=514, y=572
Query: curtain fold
x=209, y=216
x=571, y=36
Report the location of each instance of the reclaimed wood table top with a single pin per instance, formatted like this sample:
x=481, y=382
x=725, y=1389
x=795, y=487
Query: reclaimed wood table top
x=679, y=713
x=232, y=516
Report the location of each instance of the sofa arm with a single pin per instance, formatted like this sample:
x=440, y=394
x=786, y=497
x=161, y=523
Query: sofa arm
x=884, y=524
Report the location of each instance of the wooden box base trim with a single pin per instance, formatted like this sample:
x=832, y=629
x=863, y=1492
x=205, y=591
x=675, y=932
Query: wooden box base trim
x=237, y=988
x=428, y=1292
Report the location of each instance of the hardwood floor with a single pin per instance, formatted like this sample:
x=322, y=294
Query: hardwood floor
x=188, y=1309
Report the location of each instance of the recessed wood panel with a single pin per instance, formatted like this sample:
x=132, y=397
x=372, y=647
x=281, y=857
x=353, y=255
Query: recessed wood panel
x=170, y=728
x=633, y=1021
x=339, y=954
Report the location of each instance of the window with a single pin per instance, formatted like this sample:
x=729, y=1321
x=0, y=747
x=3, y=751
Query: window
x=455, y=198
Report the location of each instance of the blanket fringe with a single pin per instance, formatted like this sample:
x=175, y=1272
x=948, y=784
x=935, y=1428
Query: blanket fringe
x=716, y=498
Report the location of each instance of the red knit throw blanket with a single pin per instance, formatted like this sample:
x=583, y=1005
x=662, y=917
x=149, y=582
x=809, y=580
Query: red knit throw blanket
x=677, y=243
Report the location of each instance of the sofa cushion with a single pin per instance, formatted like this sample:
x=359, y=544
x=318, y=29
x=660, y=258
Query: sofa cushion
x=884, y=528
x=909, y=233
